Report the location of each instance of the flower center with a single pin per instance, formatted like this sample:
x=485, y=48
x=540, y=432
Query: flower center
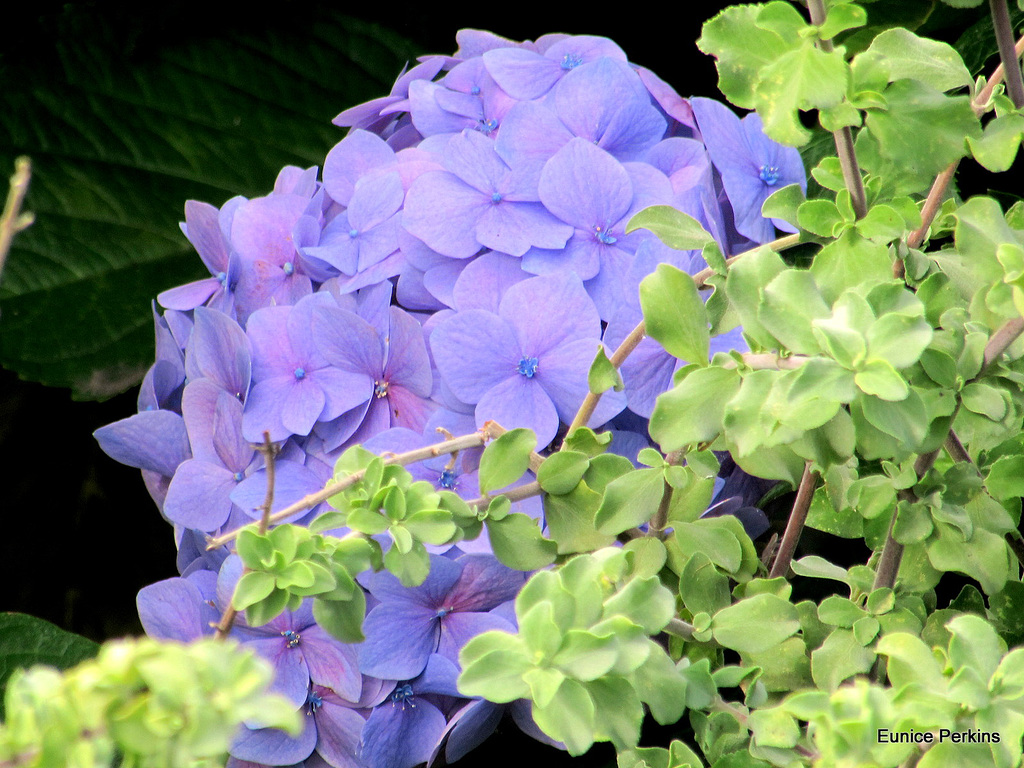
x=238, y=477
x=528, y=367
x=300, y=373
x=380, y=389
x=402, y=694
x=496, y=197
x=487, y=126
x=442, y=612
x=222, y=277
x=571, y=61
x=604, y=235
x=314, y=701
x=353, y=233
x=475, y=90
x=769, y=175
x=288, y=268
x=447, y=479
x=292, y=637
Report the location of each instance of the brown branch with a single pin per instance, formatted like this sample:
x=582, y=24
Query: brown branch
x=1001, y=341
x=473, y=440
x=1008, y=57
x=795, y=526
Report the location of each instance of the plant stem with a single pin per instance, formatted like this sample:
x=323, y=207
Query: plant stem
x=12, y=221
x=679, y=628
x=473, y=440
x=515, y=494
x=269, y=451
x=1007, y=54
x=769, y=361
x=778, y=245
x=844, y=136
x=1001, y=340
x=956, y=449
x=795, y=526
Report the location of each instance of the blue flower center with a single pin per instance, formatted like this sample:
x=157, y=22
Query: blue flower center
x=447, y=479
x=222, y=277
x=769, y=175
x=238, y=477
x=300, y=373
x=292, y=637
x=528, y=367
x=442, y=612
x=475, y=90
x=380, y=389
x=314, y=701
x=353, y=233
x=604, y=235
x=288, y=268
x=496, y=197
x=401, y=695
x=487, y=126
x=571, y=61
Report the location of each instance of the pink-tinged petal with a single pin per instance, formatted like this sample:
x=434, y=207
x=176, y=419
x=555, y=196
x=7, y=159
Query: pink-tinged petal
x=262, y=228
x=442, y=211
x=339, y=729
x=347, y=341
x=440, y=281
x=272, y=353
x=475, y=351
x=484, y=281
x=352, y=157
x=675, y=106
x=375, y=199
x=520, y=402
x=458, y=628
x=563, y=374
x=169, y=610
x=198, y=406
x=408, y=409
x=397, y=654
x=331, y=663
x=189, y=296
x=484, y=584
x=151, y=440
x=548, y=311
x=408, y=364
x=199, y=496
x=221, y=350
x=202, y=228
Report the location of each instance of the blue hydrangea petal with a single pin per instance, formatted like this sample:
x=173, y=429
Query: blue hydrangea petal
x=458, y=628
x=548, y=311
x=351, y=158
x=564, y=377
x=585, y=186
x=169, y=610
x=530, y=135
x=291, y=675
x=470, y=727
x=484, y=281
x=520, y=402
x=442, y=211
x=270, y=746
x=397, y=736
x=400, y=636
x=199, y=496
x=264, y=408
x=408, y=364
x=521, y=73
x=474, y=351
x=221, y=351
x=151, y=440
x=347, y=341
x=292, y=481
x=339, y=730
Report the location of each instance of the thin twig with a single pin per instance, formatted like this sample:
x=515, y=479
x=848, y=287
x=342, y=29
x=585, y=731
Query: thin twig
x=473, y=440
x=659, y=522
x=956, y=449
x=1001, y=341
x=524, y=491
x=13, y=221
x=795, y=526
x=1003, y=29
x=844, y=136
x=269, y=451
x=679, y=628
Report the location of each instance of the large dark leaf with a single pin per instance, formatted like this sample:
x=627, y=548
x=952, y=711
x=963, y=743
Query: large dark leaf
x=121, y=135
x=26, y=641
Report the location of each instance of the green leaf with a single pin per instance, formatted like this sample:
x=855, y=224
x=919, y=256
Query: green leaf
x=410, y=567
x=998, y=145
x=850, y=261
x=562, y=471
x=643, y=601
x=343, y=619
x=630, y=501
x=820, y=217
x=493, y=666
x=569, y=718
x=841, y=18
x=676, y=229
x=618, y=712
x=602, y=375
x=255, y=550
x=841, y=656
x=756, y=624
x=790, y=303
x=588, y=442
x=570, y=517
x=742, y=49
x=251, y=588
x=784, y=203
x=26, y=641
x=877, y=377
x=899, y=339
x=506, y=459
x=661, y=686
x=800, y=79
x=773, y=727
x=134, y=139
x=922, y=128
x=743, y=286
x=909, y=57
x=518, y=543
x=985, y=399
x=692, y=411
x=1005, y=479
x=648, y=556
x=985, y=557
x=905, y=420
x=702, y=587
x=713, y=539
x=674, y=314
x=267, y=609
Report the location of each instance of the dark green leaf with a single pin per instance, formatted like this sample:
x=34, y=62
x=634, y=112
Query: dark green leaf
x=26, y=640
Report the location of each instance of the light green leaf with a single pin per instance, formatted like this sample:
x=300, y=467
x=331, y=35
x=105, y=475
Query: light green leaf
x=756, y=624
x=674, y=314
x=343, y=619
x=562, y=471
x=840, y=657
x=602, y=375
x=784, y=203
x=909, y=57
x=506, y=459
x=518, y=543
x=877, y=377
x=998, y=145
x=569, y=718
x=676, y=229
x=692, y=411
x=630, y=501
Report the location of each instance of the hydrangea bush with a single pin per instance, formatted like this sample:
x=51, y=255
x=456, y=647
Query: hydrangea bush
x=451, y=433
